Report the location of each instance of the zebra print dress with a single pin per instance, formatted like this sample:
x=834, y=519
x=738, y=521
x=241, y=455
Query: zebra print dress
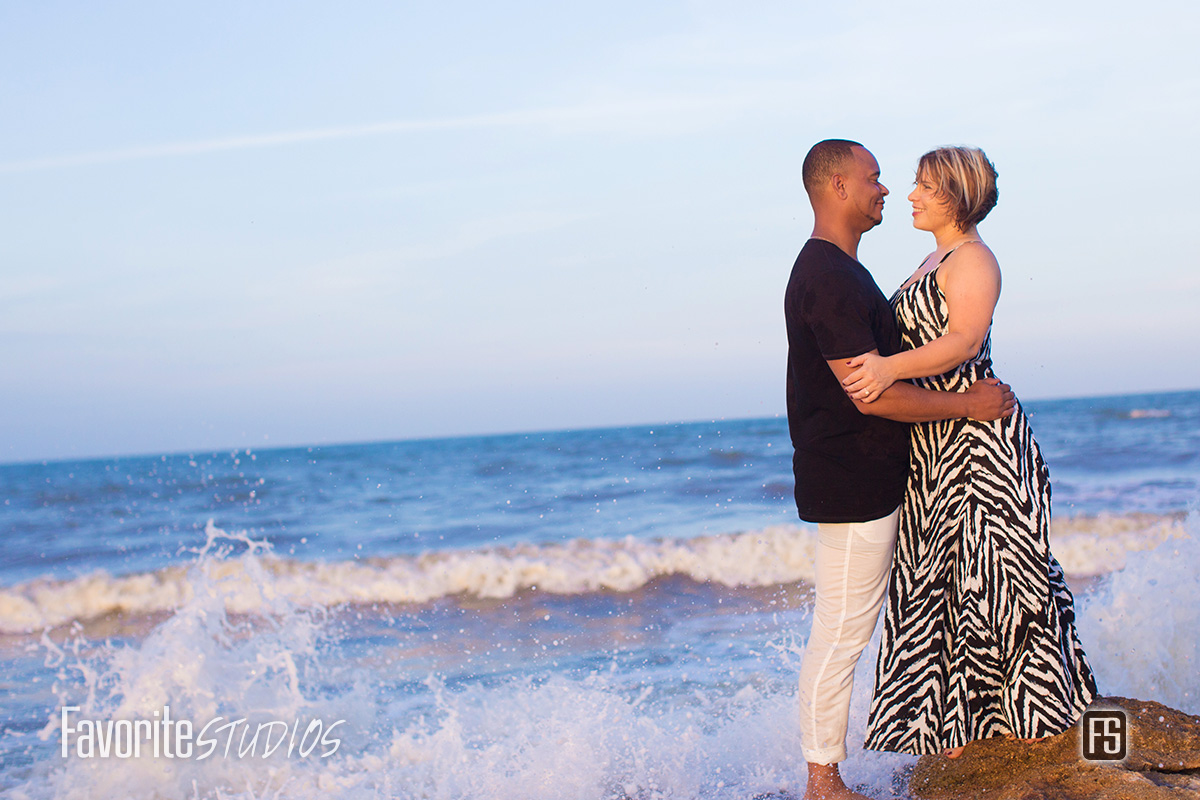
x=979, y=631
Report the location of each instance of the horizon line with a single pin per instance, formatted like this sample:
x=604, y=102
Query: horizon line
x=495, y=433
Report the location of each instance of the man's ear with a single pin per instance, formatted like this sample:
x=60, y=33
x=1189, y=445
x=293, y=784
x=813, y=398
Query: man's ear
x=837, y=183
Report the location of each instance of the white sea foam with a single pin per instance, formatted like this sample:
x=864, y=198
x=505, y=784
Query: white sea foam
x=1141, y=626
x=760, y=558
x=1086, y=547
x=555, y=739
x=1149, y=413
x=586, y=740
x=537, y=736
x=534, y=736
x=203, y=666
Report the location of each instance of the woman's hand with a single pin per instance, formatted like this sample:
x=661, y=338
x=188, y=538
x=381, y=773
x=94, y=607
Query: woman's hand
x=870, y=378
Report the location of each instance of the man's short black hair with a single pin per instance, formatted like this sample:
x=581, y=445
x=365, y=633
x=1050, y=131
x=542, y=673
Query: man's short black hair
x=824, y=159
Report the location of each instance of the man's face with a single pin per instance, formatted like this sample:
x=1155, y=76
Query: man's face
x=865, y=192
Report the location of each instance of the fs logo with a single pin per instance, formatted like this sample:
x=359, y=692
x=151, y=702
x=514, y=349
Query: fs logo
x=1105, y=735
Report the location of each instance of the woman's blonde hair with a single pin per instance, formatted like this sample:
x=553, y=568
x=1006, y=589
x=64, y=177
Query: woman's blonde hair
x=964, y=179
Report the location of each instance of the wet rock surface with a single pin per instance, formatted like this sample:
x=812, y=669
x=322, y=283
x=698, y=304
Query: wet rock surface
x=1162, y=763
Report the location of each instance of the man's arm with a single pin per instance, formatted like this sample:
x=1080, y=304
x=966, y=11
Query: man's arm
x=903, y=402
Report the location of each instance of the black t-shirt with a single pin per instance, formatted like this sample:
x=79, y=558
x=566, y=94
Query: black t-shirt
x=849, y=467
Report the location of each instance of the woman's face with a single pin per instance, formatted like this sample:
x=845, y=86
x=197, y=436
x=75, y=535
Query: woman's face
x=930, y=212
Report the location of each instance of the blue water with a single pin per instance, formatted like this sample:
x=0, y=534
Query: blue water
x=335, y=502
x=601, y=613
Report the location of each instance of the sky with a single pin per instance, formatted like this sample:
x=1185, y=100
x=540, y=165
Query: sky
x=256, y=224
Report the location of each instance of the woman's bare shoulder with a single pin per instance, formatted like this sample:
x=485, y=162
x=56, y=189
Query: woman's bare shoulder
x=972, y=257
x=971, y=269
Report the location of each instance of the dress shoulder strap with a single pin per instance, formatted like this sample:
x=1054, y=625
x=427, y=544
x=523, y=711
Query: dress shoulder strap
x=951, y=252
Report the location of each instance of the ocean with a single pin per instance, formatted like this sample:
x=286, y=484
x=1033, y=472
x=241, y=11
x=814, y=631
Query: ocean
x=610, y=613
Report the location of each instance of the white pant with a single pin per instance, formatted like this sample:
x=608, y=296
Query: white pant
x=853, y=561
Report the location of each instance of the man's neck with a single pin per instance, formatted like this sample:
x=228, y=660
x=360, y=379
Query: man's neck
x=845, y=240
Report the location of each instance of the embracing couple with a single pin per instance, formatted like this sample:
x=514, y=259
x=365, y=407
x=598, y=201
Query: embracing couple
x=916, y=462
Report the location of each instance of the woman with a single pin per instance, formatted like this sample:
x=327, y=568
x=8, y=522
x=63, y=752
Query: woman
x=979, y=636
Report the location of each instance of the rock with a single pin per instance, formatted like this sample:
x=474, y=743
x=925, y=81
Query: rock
x=1163, y=763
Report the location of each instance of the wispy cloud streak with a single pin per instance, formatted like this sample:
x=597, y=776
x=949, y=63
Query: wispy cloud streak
x=572, y=118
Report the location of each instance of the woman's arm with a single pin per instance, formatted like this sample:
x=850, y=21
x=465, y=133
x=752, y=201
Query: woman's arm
x=986, y=400
x=970, y=281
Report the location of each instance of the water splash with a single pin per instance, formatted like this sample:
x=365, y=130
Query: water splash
x=206, y=666
x=1141, y=626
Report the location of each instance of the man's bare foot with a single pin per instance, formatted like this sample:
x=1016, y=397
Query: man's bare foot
x=825, y=783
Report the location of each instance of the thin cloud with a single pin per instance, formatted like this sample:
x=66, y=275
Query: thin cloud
x=206, y=146
x=575, y=118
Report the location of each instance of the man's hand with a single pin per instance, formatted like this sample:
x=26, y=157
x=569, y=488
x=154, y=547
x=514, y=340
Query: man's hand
x=984, y=400
x=990, y=399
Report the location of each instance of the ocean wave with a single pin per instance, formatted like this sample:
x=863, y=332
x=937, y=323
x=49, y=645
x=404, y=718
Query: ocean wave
x=1085, y=546
x=781, y=554
x=1091, y=546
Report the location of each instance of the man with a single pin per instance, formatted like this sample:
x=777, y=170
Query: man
x=851, y=458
